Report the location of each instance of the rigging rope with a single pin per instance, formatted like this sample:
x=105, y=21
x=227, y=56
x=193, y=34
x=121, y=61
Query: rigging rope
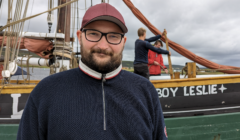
x=77, y=26
x=6, y=57
x=1, y=1
x=65, y=19
x=21, y=31
x=30, y=15
x=178, y=48
x=27, y=18
x=55, y=39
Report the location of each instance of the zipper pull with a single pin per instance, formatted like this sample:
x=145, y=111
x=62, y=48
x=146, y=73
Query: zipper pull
x=103, y=77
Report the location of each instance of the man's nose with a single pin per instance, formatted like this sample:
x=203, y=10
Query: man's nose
x=102, y=43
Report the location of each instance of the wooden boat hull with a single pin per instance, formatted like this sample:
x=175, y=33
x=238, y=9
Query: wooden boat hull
x=181, y=97
x=200, y=100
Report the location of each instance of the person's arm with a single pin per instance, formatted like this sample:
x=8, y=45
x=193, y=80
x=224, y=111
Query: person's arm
x=158, y=50
x=162, y=65
x=155, y=38
x=150, y=57
x=28, y=128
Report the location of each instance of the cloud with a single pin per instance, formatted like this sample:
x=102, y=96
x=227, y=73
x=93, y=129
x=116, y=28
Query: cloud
x=208, y=28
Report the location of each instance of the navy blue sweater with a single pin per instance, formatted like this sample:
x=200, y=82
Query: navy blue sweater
x=69, y=106
x=142, y=47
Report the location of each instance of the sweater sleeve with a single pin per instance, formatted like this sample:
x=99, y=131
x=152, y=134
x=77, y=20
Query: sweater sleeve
x=158, y=50
x=150, y=57
x=160, y=131
x=153, y=38
x=28, y=128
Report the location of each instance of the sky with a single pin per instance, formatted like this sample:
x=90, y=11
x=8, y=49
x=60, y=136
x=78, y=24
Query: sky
x=208, y=28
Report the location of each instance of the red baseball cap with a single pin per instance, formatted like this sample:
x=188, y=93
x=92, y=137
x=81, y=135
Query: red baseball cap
x=104, y=11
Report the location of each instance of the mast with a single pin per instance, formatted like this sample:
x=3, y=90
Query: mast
x=50, y=15
x=8, y=39
x=64, y=20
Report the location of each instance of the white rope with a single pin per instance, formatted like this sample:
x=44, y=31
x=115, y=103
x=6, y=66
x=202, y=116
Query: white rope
x=77, y=26
x=73, y=22
x=16, y=28
x=65, y=19
x=27, y=18
x=24, y=15
x=6, y=57
x=55, y=39
x=30, y=15
x=1, y=2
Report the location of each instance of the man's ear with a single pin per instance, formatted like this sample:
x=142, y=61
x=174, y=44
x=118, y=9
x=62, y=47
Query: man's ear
x=79, y=33
x=124, y=40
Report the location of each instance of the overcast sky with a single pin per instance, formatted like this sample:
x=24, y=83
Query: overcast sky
x=208, y=28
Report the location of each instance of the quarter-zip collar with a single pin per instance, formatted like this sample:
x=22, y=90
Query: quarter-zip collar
x=96, y=74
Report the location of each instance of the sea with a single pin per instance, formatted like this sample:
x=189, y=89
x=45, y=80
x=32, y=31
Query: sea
x=35, y=74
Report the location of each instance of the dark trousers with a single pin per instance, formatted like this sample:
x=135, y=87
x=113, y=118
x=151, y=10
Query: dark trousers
x=142, y=69
x=155, y=74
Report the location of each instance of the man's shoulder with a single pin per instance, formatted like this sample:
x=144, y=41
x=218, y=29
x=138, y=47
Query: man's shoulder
x=61, y=76
x=55, y=81
x=140, y=41
x=133, y=77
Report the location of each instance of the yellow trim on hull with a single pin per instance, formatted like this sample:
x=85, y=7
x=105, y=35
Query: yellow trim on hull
x=195, y=81
x=10, y=89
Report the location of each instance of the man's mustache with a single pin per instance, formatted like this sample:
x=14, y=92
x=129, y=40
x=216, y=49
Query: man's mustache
x=98, y=50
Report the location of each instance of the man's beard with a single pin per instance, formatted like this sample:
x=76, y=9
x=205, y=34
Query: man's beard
x=101, y=67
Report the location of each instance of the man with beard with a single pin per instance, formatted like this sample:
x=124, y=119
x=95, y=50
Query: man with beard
x=98, y=100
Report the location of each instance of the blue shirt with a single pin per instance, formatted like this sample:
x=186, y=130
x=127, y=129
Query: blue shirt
x=142, y=47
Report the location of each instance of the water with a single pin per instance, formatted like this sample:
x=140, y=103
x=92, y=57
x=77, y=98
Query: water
x=40, y=73
x=36, y=74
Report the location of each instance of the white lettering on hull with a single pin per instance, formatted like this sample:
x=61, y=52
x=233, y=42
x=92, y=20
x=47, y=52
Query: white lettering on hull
x=16, y=114
x=190, y=91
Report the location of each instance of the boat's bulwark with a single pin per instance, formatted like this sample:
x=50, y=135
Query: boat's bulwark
x=11, y=106
x=200, y=99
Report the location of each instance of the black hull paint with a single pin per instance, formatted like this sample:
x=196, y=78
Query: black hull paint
x=221, y=98
x=176, y=102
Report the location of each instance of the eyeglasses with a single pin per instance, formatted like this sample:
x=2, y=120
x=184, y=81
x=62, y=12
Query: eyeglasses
x=95, y=36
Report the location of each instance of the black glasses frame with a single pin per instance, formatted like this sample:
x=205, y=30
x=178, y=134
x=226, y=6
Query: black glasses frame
x=103, y=34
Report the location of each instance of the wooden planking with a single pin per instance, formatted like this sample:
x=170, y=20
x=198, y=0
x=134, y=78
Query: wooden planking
x=191, y=69
x=9, y=89
x=157, y=83
x=195, y=81
x=22, y=81
x=176, y=75
x=204, y=127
